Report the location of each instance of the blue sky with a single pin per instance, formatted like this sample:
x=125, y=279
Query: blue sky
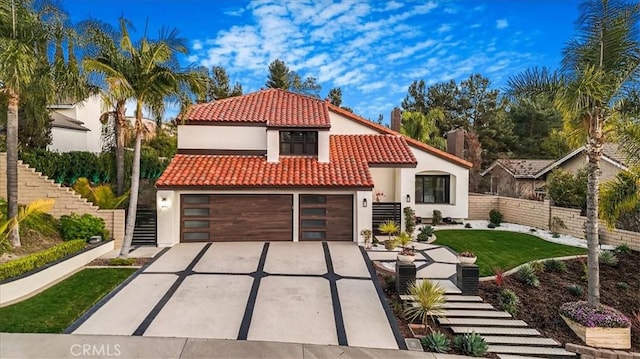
x=373, y=50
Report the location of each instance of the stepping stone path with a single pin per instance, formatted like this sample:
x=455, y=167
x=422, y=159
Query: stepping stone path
x=507, y=337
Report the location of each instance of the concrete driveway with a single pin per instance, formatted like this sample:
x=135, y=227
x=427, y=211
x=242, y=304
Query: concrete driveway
x=312, y=292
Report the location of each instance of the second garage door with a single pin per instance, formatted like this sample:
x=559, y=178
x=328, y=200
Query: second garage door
x=225, y=218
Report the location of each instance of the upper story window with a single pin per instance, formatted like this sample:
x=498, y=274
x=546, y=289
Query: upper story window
x=298, y=142
x=433, y=189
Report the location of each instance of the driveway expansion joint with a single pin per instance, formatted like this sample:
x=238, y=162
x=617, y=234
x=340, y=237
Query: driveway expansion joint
x=243, y=333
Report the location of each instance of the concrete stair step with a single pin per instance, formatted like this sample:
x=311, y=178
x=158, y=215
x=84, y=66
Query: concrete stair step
x=462, y=298
x=511, y=356
x=495, y=331
x=465, y=305
x=508, y=349
x=482, y=322
x=448, y=285
x=475, y=313
x=491, y=339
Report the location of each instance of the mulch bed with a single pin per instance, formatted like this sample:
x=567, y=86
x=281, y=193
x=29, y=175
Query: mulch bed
x=138, y=262
x=539, y=306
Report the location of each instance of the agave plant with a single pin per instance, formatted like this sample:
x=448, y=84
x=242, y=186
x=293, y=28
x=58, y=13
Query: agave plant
x=429, y=300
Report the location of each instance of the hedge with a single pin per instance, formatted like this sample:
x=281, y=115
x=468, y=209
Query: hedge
x=35, y=260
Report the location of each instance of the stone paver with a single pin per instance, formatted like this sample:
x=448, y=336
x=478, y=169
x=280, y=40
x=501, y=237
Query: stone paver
x=482, y=322
x=124, y=312
x=448, y=285
x=305, y=258
x=528, y=350
x=293, y=310
x=462, y=298
x=491, y=339
x=475, y=313
x=463, y=305
x=437, y=270
x=422, y=246
x=199, y=309
x=511, y=356
x=363, y=314
x=342, y=257
x=389, y=255
x=231, y=258
x=495, y=330
x=177, y=258
x=442, y=255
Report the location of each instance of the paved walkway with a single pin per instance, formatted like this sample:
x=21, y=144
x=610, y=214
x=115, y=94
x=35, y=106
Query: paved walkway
x=316, y=293
x=62, y=346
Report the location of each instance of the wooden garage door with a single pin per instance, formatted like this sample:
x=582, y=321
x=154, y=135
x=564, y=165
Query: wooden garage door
x=326, y=217
x=228, y=218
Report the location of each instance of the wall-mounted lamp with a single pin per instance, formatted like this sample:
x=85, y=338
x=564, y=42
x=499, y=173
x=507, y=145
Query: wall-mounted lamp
x=408, y=198
x=364, y=202
x=164, y=204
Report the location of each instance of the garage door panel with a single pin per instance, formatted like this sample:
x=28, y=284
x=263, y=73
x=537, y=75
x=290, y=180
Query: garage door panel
x=326, y=217
x=237, y=218
x=340, y=217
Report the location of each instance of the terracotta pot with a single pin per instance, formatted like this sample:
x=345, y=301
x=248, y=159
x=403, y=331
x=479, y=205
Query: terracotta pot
x=418, y=330
x=389, y=245
x=406, y=258
x=467, y=260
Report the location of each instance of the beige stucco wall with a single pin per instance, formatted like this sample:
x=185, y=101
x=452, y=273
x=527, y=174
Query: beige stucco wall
x=168, y=222
x=608, y=169
x=341, y=125
x=385, y=181
x=222, y=137
x=538, y=214
x=32, y=186
x=66, y=140
x=87, y=111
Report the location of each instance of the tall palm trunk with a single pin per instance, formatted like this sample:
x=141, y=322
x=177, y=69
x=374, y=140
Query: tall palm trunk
x=594, y=152
x=120, y=142
x=135, y=185
x=12, y=165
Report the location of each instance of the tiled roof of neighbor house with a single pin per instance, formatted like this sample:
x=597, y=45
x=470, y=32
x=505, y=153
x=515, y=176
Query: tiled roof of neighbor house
x=274, y=107
x=611, y=150
x=348, y=166
x=523, y=168
x=61, y=121
x=412, y=142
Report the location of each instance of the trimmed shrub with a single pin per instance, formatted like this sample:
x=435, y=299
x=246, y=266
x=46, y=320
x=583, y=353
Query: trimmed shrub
x=122, y=261
x=608, y=258
x=82, y=227
x=436, y=342
x=409, y=220
x=509, y=301
x=555, y=265
x=436, y=219
x=575, y=290
x=471, y=344
x=527, y=275
x=467, y=225
x=495, y=217
x=27, y=263
x=491, y=225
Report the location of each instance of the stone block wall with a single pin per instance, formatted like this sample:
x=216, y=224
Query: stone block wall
x=33, y=185
x=539, y=214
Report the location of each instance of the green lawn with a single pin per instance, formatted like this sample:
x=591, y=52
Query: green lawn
x=502, y=249
x=53, y=310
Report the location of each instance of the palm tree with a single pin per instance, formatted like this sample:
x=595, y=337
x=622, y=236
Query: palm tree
x=600, y=66
x=145, y=72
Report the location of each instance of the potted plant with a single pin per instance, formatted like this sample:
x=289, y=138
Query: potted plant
x=366, y=233
x=598, y=326
x=429, y=300
x=389, y=228
x=467, y=257
x=407, y=255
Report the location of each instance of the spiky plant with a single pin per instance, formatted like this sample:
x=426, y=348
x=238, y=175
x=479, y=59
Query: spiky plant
x=429, y=300
x=471, y=344
x=389, y=228
x=436, y=342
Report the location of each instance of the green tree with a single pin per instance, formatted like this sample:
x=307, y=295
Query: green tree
x=279, y=75
x=537, y=127
x=600, y=66
x=219, y=86
x=149, y=77
x=567, y=189
x=335, y=96
x=423, y=127
x=309, y=86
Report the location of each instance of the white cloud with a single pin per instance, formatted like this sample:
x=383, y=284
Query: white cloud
x=393, y=5
x=502, y=24
x=193, y=58
x=475, y=26
x=444, y=28
x=234, y=12
x=197, y=45
x=368, y=87
x=408, y=51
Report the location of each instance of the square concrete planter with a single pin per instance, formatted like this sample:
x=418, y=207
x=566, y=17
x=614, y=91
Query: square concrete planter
x=599, y=337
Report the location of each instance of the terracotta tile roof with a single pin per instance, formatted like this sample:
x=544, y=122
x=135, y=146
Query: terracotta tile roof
x=274, y=107
x=372, y=149
x=254, y=171
x=415, y=143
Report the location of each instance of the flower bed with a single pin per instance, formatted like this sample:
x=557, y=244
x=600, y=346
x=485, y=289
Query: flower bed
x=591, y=316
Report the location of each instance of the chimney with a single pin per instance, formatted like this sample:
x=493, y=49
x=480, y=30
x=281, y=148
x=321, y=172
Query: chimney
x=396, y=119
x=455, y=142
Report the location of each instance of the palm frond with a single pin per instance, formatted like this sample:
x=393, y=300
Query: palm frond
x=620, y=195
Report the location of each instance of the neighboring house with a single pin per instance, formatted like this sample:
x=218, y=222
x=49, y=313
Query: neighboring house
x=527, y=178
x=278, y=166
x=76, y=126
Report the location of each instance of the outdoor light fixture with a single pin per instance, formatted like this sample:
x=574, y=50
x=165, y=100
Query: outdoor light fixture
x=408, y=198
x=364, y=202
x=164, y=204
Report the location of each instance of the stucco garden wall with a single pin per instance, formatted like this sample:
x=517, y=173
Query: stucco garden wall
x=539, y=214
x=33, y=185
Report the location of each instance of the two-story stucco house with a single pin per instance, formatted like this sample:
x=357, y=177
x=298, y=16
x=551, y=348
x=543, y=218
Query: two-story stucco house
x=278, y=166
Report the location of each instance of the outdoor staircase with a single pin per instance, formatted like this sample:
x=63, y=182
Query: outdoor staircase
x=144, y=233
x=508, y=338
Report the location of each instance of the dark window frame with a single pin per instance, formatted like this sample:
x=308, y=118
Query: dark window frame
x=307, y=145
x=429, y=188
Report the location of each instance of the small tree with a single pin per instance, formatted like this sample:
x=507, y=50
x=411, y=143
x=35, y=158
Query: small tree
x=568, y=190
